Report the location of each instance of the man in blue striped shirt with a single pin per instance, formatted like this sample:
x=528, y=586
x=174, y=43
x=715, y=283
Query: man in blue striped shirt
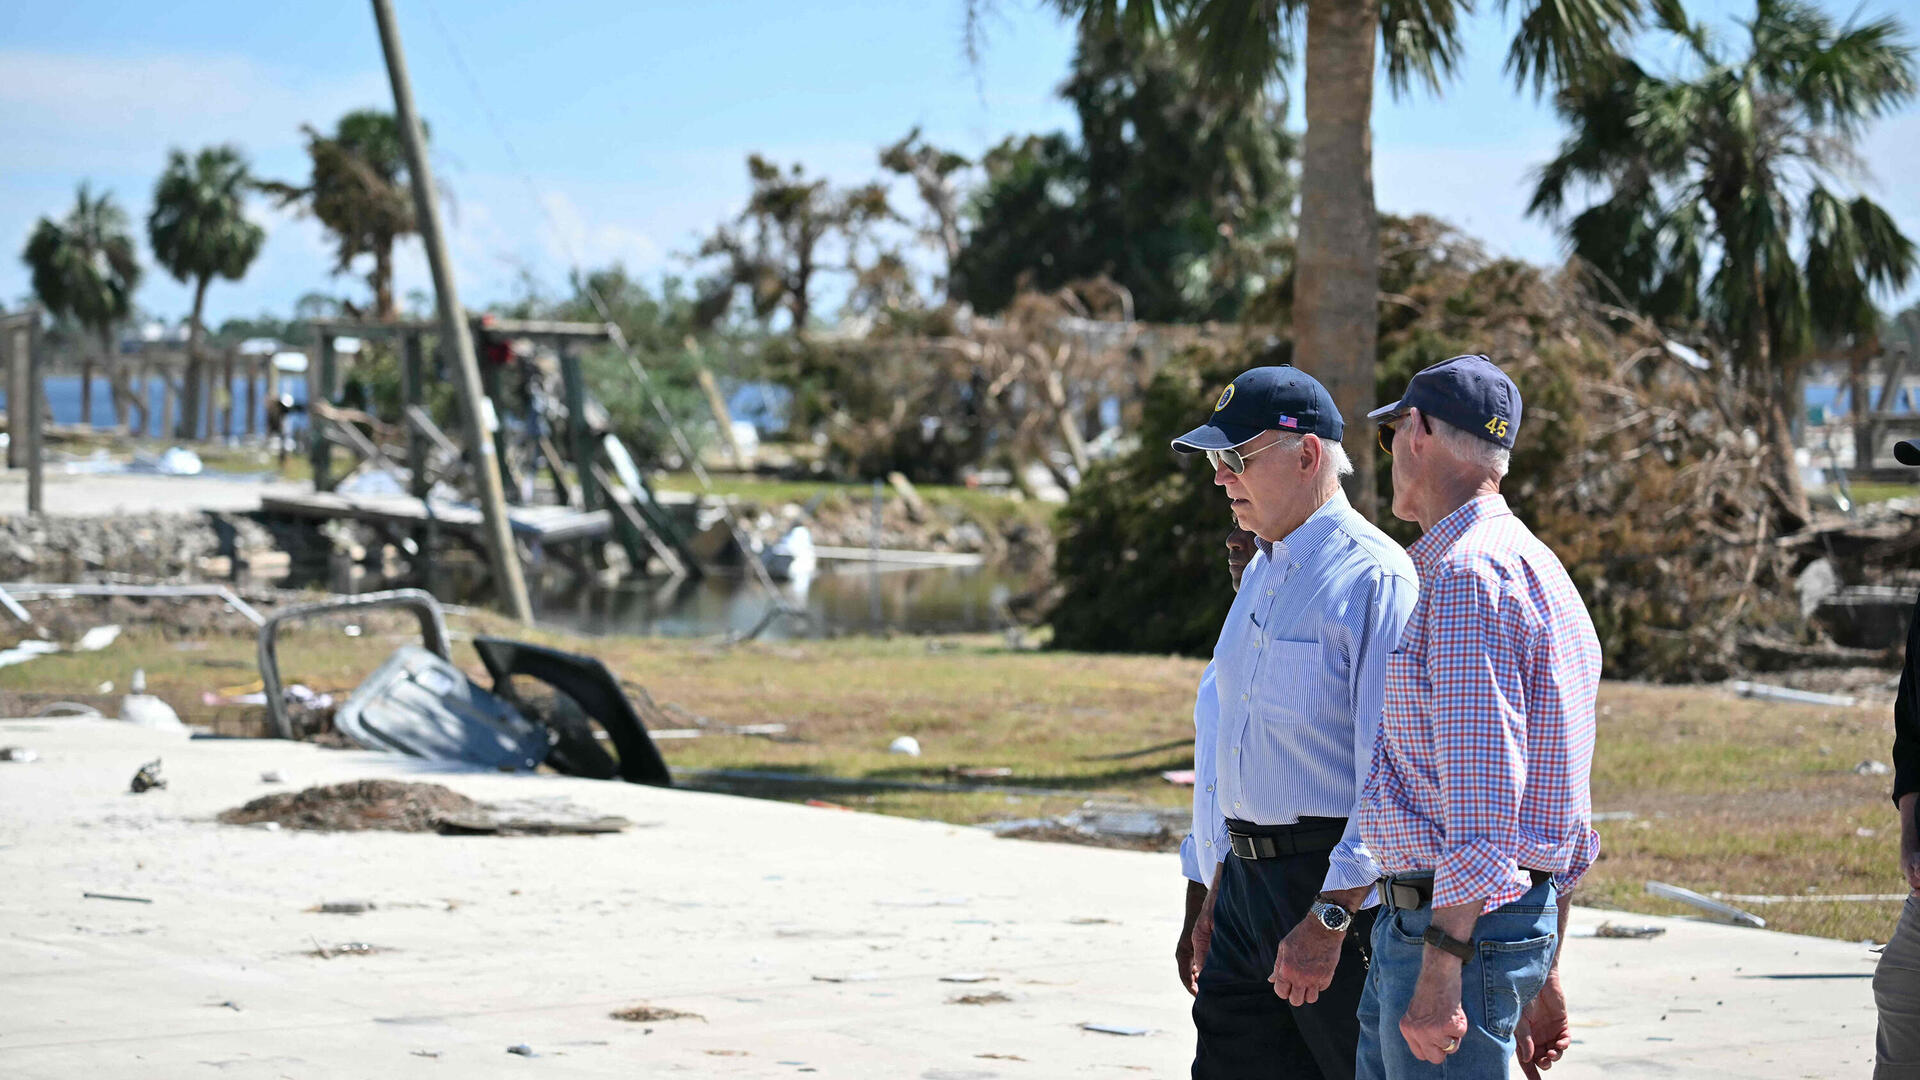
x=1300, y=674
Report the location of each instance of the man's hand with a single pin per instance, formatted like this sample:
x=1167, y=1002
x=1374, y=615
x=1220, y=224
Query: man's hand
x=1910, y=864
x=1202, y=941
x=1910, y=840
x=1434, y=1022
x=1183, y=949
x=1303, y=966
x=1543, y=1033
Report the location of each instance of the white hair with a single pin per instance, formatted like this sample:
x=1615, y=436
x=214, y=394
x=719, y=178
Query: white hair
x=1333, y=457
x=1472, y=449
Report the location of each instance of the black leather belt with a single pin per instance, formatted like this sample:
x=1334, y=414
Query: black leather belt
x=1309, y=836
x=1413, y=891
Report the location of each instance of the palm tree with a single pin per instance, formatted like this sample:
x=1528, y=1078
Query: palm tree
x=1717, y=213
x=1247, y=43
x=359, y=191
x=199, y=231
x=84, y=269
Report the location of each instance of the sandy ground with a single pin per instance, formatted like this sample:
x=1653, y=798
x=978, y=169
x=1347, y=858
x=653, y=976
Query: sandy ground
x=103, y=495
x=807, y=940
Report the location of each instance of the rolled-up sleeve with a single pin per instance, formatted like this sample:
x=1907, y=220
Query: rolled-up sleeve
x=1387, y=600
x=1205, y=844
x=1474, y=659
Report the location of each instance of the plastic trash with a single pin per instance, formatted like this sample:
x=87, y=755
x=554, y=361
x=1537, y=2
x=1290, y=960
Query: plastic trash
x=144, y=710
x=905, y=744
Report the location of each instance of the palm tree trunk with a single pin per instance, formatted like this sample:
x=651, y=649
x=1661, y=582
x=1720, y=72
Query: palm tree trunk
x=383, y=309
x=193, y=388
x=115, y=393
x=1336, y=289
x=86, y=392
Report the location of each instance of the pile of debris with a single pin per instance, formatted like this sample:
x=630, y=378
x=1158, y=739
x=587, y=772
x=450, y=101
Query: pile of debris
x=390, y=805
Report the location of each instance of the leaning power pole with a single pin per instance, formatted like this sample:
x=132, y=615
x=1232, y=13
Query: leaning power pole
x=454, y=330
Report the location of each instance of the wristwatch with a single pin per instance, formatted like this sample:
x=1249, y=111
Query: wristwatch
x=1447, y=943
x=1332, y=916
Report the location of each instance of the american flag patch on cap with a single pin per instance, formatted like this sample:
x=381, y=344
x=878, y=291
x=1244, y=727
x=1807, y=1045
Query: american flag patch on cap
x=1288, y=421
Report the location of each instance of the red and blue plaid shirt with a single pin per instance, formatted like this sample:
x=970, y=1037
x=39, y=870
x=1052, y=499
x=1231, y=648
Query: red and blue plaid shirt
x=1485, y=746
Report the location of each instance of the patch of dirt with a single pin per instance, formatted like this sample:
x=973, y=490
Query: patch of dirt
x=994, y=997
x=646, y=1014
x=359, y=805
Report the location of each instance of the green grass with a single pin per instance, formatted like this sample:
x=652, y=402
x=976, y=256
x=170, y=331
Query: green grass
x=1864, y=493
x=1728, y=794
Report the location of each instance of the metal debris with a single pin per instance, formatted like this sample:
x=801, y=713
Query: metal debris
x=522, y=1049
x=18, y=753
x=1634, y=933
x=1721, y=912
x=1114, y=1029
x=110, y=896
x=148, y=777
x=1769, y=692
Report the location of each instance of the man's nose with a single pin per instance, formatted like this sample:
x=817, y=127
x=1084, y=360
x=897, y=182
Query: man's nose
x=1221, y=474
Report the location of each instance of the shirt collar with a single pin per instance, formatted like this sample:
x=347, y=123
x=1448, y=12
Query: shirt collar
x=1300, y=544
x=1438, y=540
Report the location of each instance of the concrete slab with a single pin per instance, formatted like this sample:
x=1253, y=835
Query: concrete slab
x=808, y=940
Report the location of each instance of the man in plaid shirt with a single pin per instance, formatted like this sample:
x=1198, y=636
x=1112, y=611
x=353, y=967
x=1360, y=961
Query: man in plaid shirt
x=1476, y=806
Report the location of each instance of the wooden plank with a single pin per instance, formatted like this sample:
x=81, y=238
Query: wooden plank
x=547, y=524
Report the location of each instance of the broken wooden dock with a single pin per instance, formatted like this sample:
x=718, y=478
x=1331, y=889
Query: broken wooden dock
x=543, y=525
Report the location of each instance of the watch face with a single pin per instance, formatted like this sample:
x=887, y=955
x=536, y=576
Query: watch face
x=1334, y=917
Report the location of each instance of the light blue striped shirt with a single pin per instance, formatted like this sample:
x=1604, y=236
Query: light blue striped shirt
x=1206, y=845
x=1301, y=676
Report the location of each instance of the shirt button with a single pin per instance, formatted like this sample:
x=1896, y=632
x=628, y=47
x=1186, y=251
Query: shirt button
x=1236, y=806
x=1209, y=787
x=1236, y=750
x=1269, y=592
x=1243, y=697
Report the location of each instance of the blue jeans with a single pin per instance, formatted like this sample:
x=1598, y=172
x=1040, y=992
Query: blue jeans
x=1513, y=948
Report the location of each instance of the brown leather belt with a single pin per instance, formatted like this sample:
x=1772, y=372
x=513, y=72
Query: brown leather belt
x=1412, y=892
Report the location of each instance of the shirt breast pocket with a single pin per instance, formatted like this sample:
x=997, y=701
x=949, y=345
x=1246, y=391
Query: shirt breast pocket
x=1294, y=682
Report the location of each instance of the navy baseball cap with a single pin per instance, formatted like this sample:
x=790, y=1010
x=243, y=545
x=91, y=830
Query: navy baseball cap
x=1282, y=398
x=1469, y=392
x=1907, y=451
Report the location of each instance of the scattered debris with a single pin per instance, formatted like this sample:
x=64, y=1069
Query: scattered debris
x=967, y=977
x=720, y=729
x=18, y=753
x=648, y=1013
x=98, y=638
x=1721, y=912
x=1635, y=933
x=865, y=976
x=426, y=1053
x=905, y=744
x=1114, y=1029
x=234, y=1005
x=110, y=896
x=343, y=907
x=25, y=651
x=1001, y=1057
x=1769, y=692
x=391, y=805
x=349, y=948
x=1873, y=768
x=992, y=997
x=823, y=804
x=145, y=710
x=272, y=776
x=148, y=777
x=420, y=704
x=493, y=824
x=521, y=1049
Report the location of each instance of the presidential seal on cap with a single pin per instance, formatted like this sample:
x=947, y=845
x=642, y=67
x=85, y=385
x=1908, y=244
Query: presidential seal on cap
x=1281, y=398
x=1469, y=392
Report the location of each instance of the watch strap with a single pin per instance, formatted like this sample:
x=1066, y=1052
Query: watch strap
x=1447, y=943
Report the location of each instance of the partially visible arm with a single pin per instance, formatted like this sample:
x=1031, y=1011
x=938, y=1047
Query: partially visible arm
x=1388, y=601
x=1910, y=841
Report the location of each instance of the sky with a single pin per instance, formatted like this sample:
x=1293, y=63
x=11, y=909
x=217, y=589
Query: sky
x=584, y=132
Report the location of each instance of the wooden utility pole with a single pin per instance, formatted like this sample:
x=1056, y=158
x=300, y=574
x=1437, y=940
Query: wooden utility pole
x=454, y=332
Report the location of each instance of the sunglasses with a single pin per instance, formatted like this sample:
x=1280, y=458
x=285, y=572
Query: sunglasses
x=1387, y=426
x=1234, y=460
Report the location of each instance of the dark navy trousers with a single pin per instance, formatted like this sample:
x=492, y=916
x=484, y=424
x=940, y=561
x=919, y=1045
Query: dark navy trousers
x=1246, y=1031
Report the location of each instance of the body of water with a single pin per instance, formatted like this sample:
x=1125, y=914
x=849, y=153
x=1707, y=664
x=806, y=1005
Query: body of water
x=63, y=399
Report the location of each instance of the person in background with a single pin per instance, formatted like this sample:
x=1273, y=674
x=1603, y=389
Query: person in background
x=1206, y=845
x=1299, y=672
x=1896, y=980
x=1477, y=804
